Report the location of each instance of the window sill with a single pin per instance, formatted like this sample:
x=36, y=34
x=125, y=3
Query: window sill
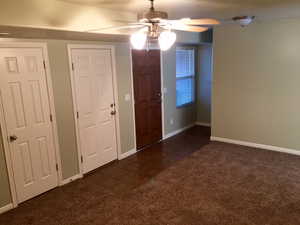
x=185, y=105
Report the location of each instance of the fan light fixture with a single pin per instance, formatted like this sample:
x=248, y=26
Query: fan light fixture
x=165, y=40
x=138, y=40
x=154, y=25
x=244, y=20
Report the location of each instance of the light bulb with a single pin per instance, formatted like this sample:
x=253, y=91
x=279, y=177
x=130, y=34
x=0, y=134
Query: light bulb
x=244, y=20
x=166, y=40
x=138, y=40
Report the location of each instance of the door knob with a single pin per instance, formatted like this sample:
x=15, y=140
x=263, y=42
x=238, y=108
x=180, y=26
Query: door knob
x=113, y=112
x=13, y=138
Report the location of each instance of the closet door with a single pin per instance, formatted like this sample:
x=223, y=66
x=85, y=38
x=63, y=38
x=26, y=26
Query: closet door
x=25, y=99
x=94, y=93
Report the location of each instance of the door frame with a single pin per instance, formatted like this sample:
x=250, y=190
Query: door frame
x=115, y=91
x=6, y=147
x=162, y=93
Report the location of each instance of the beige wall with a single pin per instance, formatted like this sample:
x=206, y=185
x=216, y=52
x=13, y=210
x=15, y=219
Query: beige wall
x=204, y=83
x=256, y=83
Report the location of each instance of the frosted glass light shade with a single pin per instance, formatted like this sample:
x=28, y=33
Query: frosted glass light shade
x=138, y=40
x=166, y=40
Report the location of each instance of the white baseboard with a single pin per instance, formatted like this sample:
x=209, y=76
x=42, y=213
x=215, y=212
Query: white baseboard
x=127, y=154
x=70, y=179
x=6, y=208
x=203, y=124
x=255, y=145
x=177, y=131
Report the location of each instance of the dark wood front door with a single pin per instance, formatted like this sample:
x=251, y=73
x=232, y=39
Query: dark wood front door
x=147, y=95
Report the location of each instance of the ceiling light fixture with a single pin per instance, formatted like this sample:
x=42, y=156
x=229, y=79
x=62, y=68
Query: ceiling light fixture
x=156, y=27
x=138, y=40
x=244, y=20
x=166, y=39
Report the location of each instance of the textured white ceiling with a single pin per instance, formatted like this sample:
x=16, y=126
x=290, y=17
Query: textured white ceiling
x=221, y=9
x=82, y=15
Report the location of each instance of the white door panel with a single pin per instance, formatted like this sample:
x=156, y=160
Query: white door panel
x=93, y=81
x=24, y=94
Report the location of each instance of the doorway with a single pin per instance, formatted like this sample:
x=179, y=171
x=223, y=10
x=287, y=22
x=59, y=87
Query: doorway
x=94, y=96
x=28, y=120
x=146, y=68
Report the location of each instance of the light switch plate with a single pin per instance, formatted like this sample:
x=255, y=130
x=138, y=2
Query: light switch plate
x=127, y=97
x=171, y=121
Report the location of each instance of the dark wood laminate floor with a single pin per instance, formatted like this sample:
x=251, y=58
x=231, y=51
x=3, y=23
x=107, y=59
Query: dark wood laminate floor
x=122, y=176
x=118, y=177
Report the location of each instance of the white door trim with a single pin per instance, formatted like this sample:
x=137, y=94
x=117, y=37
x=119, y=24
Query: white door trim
x=162, y=94
x=133, y=100
x=115, y=88
x=7, y=154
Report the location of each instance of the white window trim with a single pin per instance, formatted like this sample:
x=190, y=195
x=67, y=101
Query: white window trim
x=193, y=76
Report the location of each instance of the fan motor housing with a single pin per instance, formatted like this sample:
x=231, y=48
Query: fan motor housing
x=152, y=15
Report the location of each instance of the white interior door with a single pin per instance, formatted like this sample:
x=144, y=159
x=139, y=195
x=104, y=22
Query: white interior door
x=94, y=93
x=25, y=99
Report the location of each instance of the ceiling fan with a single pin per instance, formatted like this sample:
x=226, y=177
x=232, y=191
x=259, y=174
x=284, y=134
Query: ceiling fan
x=154, y=25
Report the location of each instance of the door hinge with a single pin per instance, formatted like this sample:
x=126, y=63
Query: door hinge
x=51, y=118
x=81, y=159
x=44, y=63
x=73, y=66
x=56, y=166
x=77, y=115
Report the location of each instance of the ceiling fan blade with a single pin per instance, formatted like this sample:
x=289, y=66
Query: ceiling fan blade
x=184, y=27
x=117, y=28
x=188, y=21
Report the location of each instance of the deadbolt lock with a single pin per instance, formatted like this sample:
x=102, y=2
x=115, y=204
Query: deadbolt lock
x=113, y=112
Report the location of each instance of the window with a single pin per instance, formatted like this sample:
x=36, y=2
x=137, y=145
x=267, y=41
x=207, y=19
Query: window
x=185, y=76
